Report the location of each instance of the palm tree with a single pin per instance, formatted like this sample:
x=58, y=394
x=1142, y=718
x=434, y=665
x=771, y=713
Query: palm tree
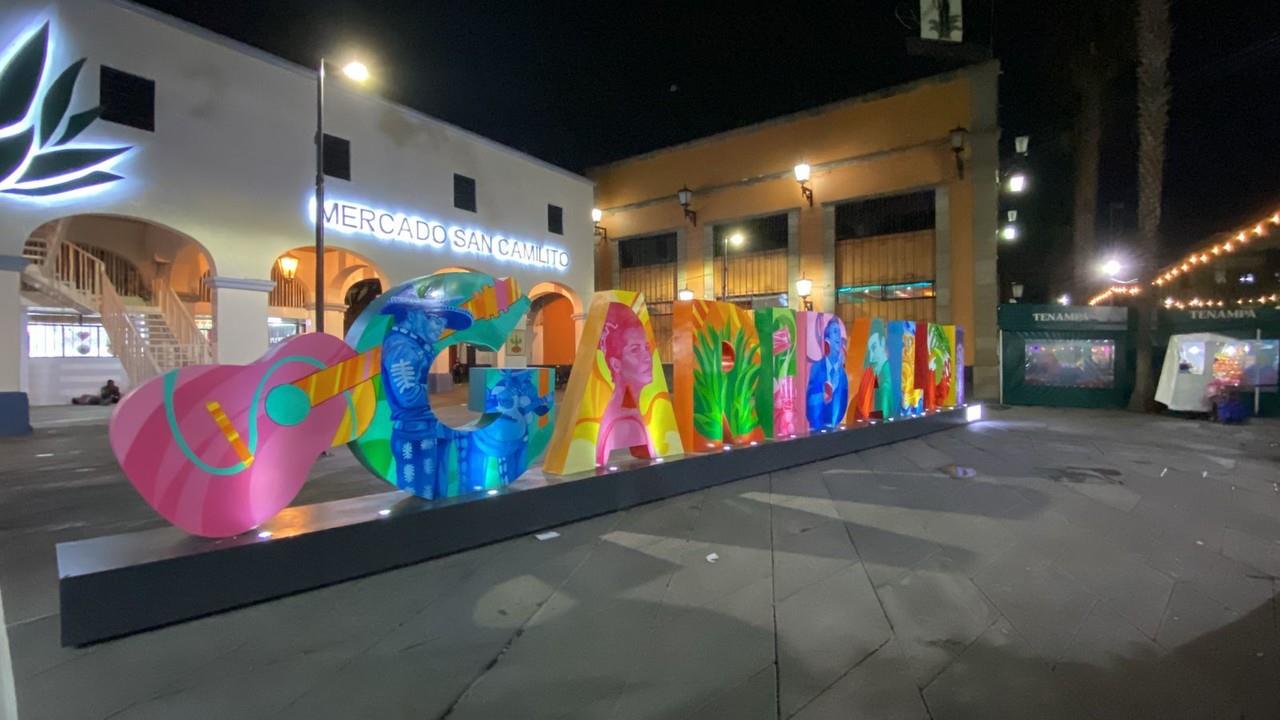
x=1154, y=36
x=1099, y=43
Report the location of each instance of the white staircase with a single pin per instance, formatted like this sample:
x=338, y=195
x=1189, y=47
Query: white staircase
x=148, y=339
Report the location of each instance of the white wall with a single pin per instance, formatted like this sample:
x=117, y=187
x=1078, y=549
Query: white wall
x=231, y=162
x=54, y=381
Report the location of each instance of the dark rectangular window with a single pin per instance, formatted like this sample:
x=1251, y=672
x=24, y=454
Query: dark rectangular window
x=464, y=192
x=650, y=250
x=885, y=215
x=337, y=157
x=758, y=235
x=127, y=99
x=555, y=219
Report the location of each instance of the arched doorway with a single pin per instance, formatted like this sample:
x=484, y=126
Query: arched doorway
x=357, y=298
x=112, y=297
x=554, y=325
x=351, y=282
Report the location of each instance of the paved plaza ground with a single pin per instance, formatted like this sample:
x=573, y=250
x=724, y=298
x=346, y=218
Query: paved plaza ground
x=1045, y=563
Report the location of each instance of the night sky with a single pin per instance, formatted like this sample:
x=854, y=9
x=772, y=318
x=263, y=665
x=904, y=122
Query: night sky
x=579, y=83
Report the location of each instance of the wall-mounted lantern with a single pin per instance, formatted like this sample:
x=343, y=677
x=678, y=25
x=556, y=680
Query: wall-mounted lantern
x=802, y=176
x=685, y=196
x=804, y=288
x=603, y=233
x=958, y=137
x=288, y=266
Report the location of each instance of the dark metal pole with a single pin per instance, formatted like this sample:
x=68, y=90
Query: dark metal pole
x=320, y=199
x=724, y=270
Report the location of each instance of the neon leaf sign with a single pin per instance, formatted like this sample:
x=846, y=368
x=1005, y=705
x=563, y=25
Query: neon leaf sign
x=35, y=160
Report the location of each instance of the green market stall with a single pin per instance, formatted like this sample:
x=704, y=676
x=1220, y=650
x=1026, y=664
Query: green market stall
x=1242, y=323
x=1065, y=356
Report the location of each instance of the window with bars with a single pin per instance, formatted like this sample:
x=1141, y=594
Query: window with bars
x=885, y=257
x=290, y=292
x=757, y=265
x=646, y=251
x=46, y=340
x=648, y=265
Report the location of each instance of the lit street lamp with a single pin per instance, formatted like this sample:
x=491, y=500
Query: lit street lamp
x=357, y=72
x=736, y=241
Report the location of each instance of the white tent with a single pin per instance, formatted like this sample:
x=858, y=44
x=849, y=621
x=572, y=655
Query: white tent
x=1187, y=370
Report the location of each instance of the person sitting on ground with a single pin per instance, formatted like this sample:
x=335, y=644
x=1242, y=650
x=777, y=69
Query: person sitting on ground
x=108, y=394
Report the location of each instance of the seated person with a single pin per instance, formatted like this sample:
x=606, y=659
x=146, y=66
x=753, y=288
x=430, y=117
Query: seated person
x=108, y=394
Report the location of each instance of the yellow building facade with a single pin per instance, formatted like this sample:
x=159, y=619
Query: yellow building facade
x=902, y=223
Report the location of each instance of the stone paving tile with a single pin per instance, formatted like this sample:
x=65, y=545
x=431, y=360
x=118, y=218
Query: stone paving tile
x=840, y=589
x=575, y=660
x=1256, y=552
x=421, y=682
x=999, y=676
x=823, y=631
x=242, y=689
x=755, y=699
x=1116, y=672
x=1044, y=604
x=888, y=555
x=694, y=653
x=809, y=556
x=1126, y=584
x=1238, y=586
x=936, y=612
x=877, y=687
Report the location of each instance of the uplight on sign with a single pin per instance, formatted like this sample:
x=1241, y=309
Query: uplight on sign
x=352, y=218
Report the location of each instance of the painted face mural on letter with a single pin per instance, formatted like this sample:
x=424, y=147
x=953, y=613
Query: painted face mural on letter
x=630, y=360
x=629, y=356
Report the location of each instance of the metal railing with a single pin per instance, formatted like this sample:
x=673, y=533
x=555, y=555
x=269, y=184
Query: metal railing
x=181, y=324
x=81, y=279
x=127, y=343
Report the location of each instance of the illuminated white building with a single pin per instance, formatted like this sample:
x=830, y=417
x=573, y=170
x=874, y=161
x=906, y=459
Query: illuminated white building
x=175, y=224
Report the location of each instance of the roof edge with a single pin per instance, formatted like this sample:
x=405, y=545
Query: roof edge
x=992, y=65
x=264, y=56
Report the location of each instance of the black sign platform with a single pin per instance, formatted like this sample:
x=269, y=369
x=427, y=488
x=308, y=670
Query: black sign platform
x=123, y=584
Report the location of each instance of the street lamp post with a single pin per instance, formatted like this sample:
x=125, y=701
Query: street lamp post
x=356, y=71
x=736, y=240
x=319, y=288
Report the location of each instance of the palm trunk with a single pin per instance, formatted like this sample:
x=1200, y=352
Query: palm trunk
x=1088, y=137
x=1154, y=38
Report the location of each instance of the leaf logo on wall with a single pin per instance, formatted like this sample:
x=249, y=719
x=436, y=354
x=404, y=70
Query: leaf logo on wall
x=36, y=160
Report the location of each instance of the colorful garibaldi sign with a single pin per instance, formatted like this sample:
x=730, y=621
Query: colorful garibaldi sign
x=219, y=449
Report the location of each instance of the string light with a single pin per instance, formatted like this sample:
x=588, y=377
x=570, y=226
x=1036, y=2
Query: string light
x=1115, y=290
x=1196, y=302
x=1242, y=238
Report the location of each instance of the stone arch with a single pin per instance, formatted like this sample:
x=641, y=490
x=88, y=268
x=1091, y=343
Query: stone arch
x=293, y=299
x=155, y=250
x=457, y=268
x=554, y=324
x=136, y=290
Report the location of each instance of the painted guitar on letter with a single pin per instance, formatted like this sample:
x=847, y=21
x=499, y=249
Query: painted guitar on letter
x=238, y=441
